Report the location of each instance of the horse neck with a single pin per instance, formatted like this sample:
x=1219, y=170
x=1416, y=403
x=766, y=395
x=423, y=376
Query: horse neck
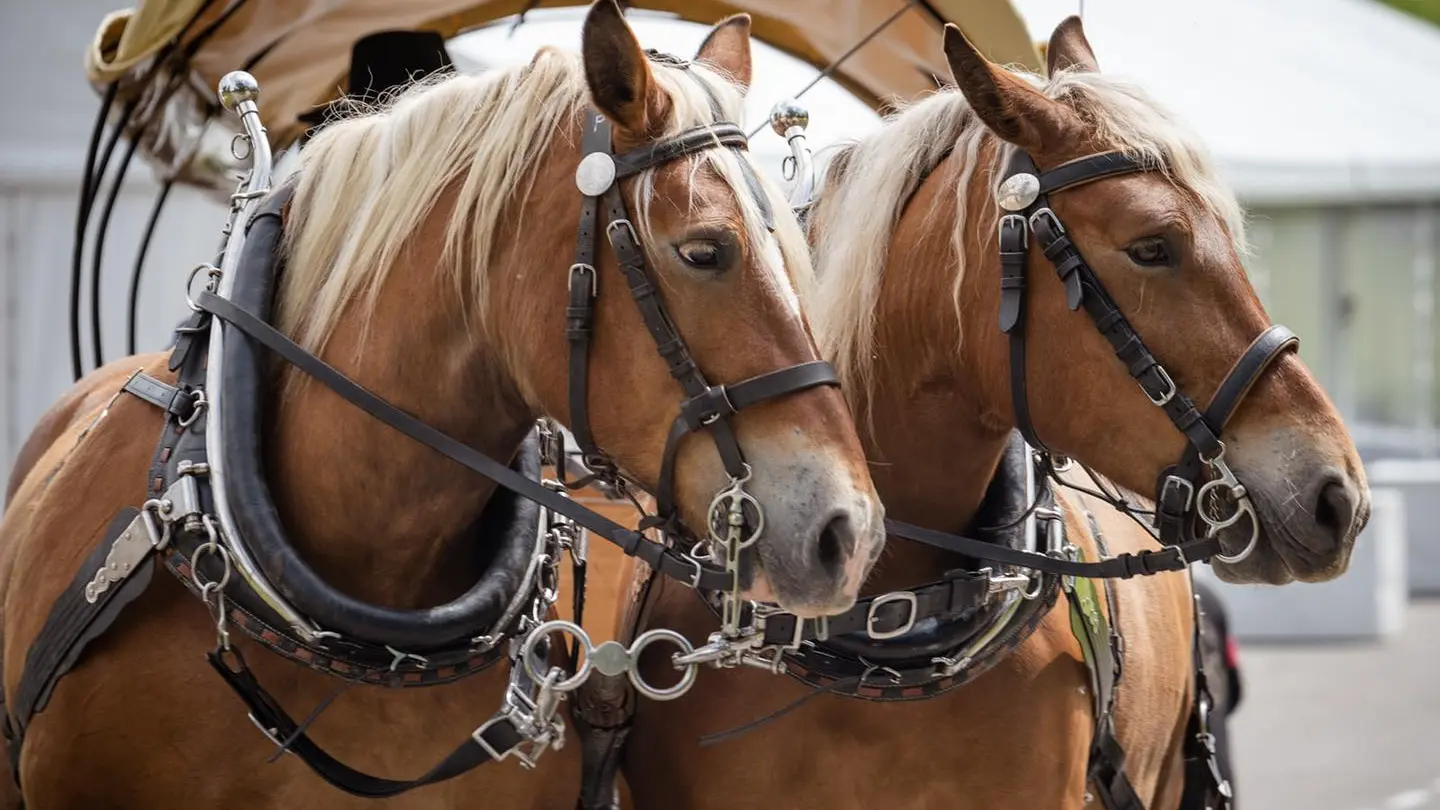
x=937, y=430
x=377, y=514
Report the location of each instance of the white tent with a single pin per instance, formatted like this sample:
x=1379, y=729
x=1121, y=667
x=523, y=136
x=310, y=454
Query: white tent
x=1301, y=99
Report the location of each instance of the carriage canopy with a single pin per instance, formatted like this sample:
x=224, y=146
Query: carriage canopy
x=299, y=50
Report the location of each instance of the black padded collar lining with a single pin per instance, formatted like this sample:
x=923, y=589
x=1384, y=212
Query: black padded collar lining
x=999, y=521
x=508, y=523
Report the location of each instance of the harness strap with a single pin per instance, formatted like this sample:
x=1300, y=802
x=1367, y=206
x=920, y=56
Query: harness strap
x=169, y=398
x=660, y=557
x=75, y=620
x=886, y=615
x=1121, y=566
x=1014, y=256
x=493, y=741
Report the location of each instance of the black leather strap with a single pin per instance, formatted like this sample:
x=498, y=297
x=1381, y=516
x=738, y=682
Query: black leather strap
x=74, y=622
x=1122, y=566
x=166, y=397
x=709, y=136
x=500, y=736
x=1264, y=350
x=887, y=615
x=1088, y=169
x=584, y=287
x=661, y=558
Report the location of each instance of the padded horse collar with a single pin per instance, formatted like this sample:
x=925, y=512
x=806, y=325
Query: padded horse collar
x=705, y=406
x=1182, y=492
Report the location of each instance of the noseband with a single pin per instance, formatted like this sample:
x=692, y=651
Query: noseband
x=705, y=406
x=1182, y=490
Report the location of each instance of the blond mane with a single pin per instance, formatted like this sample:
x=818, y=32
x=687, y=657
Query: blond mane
x=869, y=182
x=370, y=181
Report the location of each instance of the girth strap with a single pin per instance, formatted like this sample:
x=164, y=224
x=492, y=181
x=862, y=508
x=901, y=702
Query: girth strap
x=657, y=556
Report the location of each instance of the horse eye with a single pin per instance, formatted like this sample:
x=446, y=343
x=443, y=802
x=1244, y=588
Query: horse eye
x=703, y=254
x=1152, y=252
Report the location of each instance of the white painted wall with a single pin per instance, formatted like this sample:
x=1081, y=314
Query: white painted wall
x=49, y=111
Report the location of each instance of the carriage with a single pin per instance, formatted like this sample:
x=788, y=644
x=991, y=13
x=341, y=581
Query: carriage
x=786, y=611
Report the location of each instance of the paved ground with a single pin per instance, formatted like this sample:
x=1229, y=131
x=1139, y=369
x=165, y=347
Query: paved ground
x=1342, y=727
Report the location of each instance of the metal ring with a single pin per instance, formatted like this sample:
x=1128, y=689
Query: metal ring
x=235, y=142
x=214, y=273
x=645, y=640
x=1210, y=488
x=527, y=652
x=196, y=408
x=1243, y=508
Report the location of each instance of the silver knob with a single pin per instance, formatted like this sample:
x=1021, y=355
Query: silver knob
x=786, y=114
x=236, y=88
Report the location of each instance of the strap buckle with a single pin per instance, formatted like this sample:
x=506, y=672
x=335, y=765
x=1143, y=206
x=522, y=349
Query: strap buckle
x=610, y=231
x=885, y=599
x=1045, y=213
x=1169, y=390
x=503, y=716
x=1016, y=221
x=580, y=268
x=1176, y=483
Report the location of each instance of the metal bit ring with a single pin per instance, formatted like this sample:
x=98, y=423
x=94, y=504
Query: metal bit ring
x=527, y=652
x=645, y=640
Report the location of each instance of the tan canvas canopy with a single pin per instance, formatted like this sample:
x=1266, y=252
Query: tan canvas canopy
x=299, y=50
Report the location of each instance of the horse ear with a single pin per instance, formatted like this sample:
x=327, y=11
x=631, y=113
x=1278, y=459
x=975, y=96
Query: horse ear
x=727, y=47
x=1069, y=49
x=617, y=71
x=1006, y=103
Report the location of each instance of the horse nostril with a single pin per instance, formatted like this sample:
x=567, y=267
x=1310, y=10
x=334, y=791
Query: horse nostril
x=1334, y=510
x=836, y=540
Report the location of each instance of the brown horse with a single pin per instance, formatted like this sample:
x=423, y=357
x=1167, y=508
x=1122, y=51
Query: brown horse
x=905, y=245
x=425, y=254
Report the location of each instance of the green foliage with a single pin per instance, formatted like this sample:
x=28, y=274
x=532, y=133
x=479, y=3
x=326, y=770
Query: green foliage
x=1424, y=9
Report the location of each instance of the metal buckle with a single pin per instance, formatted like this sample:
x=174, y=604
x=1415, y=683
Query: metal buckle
x=885, y=599
x=269, y=733
x=1179, y=483
x=1017, y=221
x=1050, y=215
x=1169, y=385
x=609, y=231
x=716, y=414
x=594, y=280
x=496, y=756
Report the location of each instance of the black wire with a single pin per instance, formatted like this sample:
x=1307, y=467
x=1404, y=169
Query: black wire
x=131, y=327
x=97, y=253
x=82, y=216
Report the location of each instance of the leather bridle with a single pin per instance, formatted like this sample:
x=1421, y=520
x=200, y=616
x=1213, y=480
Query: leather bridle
x=1182, y=491
x=706, y=406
